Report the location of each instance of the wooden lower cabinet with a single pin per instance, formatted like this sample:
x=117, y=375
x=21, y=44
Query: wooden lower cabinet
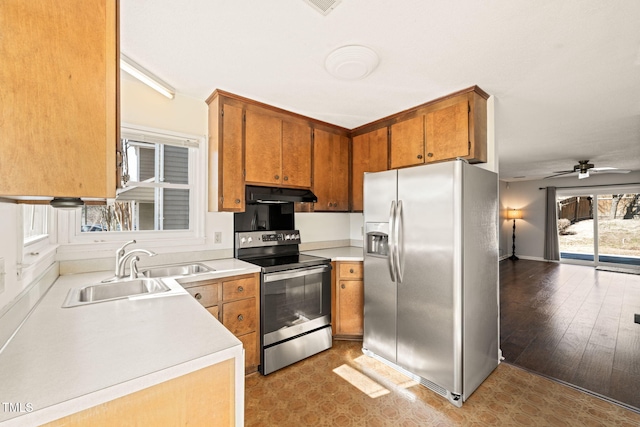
x=348, y=312
x=235, y=302
x=202, y=398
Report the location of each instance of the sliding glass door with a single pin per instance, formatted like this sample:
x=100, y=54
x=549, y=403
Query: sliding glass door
x=619, y=228
x=598, y=226
x=576, y=227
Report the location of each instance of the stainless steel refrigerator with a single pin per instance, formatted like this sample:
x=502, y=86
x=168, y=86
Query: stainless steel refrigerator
x=431, y=274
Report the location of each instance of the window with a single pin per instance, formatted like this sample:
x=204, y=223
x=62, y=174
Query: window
x=35, y=220
x=157, y=188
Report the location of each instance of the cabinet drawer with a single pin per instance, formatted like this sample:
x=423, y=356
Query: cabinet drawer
x=239, y=288
x=240, y=316
x=206, y=295
x=350, y=270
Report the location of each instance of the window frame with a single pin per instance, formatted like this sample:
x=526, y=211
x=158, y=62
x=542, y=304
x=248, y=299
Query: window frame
x=69, y=222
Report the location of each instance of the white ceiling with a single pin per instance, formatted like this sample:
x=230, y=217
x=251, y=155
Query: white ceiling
x=565, y=73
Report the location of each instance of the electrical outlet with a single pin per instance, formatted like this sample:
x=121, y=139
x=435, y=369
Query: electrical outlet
x=217, y=237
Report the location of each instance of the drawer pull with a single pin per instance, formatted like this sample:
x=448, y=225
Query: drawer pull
x=198, y=296
x=277, y=177
x=240, y=317
x=419, y=156
x=351, y=270
x=240, y=289
x=342, y=286
x=286, y=178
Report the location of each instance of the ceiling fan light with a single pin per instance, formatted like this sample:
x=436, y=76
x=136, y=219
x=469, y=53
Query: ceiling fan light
x=582, y=175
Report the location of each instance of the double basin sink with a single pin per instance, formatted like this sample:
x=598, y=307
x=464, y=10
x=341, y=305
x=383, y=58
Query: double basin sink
x=148, y=284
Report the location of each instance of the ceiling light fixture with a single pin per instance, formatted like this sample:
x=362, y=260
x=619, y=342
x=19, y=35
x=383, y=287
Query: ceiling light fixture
x=351, y=62
x=145, y=76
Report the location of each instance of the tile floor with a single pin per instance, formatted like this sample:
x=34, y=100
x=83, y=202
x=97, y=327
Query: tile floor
x=314, y=392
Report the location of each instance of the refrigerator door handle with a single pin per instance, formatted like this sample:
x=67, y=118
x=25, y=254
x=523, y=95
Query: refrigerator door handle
x=392, y=249
x=398, y=242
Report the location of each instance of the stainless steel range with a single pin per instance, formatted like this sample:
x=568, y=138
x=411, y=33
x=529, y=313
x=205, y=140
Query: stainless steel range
x=295, y=292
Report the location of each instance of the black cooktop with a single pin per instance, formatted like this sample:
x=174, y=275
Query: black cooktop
x=287, y=262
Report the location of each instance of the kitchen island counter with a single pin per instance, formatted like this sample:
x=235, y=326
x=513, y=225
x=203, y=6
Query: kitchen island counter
x=64, y=360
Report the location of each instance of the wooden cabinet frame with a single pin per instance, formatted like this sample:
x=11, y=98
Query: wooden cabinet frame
x=454, y=126
x=235, y=302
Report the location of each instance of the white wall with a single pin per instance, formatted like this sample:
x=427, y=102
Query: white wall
x=9, y=227
x=526, y=195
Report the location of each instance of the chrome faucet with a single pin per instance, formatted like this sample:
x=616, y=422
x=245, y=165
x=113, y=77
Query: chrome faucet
x=119, y=254
x=123, y=259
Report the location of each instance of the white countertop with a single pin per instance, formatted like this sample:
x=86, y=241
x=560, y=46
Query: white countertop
x=63, y=360
x=344, y=253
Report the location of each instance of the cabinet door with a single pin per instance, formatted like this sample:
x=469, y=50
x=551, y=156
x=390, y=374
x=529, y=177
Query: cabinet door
x=296, y=154
x=231, y=185
x=350, y=307
x=448, y=132
x=330, y=171
x=240, y=317
x=407, y=142
x=250, y=342
x=370, y=154
x=58, y=98
x=263, y=153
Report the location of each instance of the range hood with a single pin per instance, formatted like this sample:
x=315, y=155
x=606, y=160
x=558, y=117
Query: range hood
x=255, y=194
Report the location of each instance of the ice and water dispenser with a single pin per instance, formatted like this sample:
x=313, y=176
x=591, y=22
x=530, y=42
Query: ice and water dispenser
x=377, y=239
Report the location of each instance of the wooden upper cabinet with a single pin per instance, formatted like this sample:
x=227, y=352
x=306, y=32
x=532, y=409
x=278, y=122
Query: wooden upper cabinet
x=59, y=120
x=278, y=152
x=226, y=150
x=445, y=129
x=263, y=159
x=296, y=154
x=369, y=154
x=407, y=142
x=331, y=171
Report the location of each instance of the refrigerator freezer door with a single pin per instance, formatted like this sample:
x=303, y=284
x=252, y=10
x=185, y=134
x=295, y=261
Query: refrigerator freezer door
x=428, y=327
x=379, y=282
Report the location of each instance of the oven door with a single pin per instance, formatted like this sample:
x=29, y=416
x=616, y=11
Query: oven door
x=295, y=302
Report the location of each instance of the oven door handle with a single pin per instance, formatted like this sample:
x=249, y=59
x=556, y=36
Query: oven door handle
x=273, y=277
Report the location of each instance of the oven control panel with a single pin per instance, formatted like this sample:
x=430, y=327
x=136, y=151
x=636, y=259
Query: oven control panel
x=255, y=239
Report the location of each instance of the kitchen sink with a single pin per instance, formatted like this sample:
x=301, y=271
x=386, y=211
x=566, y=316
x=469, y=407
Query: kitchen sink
x=113, y=291
x=175, y=270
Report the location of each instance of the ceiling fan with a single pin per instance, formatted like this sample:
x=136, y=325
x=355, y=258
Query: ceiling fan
x=584, y=167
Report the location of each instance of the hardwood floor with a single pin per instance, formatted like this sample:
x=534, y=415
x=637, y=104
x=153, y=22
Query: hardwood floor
x=573, y=323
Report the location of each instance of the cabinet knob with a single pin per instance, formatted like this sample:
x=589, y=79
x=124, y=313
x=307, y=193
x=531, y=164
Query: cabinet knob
x=240, y=317
x=330, y=205
x=419, y=156
x=198, y=296
x=277, y=177
x=286, y=178
x=342, y=286
x=237, y=201
x=429, y=154
x=351, y=270
x=240, y=289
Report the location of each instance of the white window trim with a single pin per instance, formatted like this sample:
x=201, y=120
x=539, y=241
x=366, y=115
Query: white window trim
x=37, y=254
x=78, y=245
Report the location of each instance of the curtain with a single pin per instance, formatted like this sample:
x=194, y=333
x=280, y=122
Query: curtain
x=551, y=246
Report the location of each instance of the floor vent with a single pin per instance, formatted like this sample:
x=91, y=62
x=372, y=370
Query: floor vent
x=323, y=6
